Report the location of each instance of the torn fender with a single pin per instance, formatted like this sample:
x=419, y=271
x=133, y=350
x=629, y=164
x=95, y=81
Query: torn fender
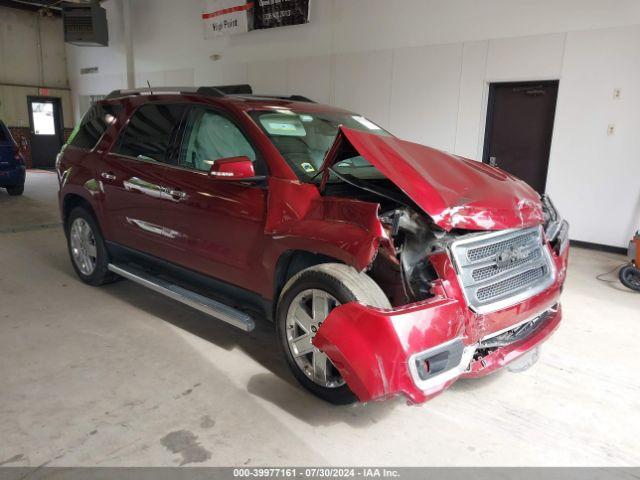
x=455, y=192
x=343, y=228
x=371, y=347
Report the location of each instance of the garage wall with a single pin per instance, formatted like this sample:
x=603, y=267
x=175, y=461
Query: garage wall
x=421, y=68
x=32, y=55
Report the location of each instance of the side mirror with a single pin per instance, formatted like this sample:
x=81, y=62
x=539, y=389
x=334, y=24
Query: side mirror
x=233, y=169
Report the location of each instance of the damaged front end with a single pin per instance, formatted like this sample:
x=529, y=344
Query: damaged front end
x=473, y=288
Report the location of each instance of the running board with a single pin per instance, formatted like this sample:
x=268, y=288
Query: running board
x=206, y=305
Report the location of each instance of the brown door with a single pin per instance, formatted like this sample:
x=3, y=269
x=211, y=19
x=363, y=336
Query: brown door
x=519, y=127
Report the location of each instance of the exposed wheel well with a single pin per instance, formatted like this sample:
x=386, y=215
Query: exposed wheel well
x=292, y=262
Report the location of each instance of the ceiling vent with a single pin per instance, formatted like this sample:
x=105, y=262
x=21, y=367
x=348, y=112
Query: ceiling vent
x=85, y=24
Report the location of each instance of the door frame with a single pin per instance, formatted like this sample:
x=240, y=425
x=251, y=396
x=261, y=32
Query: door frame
x=58, y=119
x=487, y=108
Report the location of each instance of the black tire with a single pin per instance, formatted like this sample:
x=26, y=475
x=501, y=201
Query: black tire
x=101, y=274
x=630, y=277
x=15, y=190
x=346, y=285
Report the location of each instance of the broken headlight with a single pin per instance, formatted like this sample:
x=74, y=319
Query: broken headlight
x=555, y=228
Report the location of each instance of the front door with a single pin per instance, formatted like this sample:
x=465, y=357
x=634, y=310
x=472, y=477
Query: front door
x=218, y=225
x=519, y=128
x=45, y=120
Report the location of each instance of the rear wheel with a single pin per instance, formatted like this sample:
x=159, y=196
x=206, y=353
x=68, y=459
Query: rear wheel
x=87, y=250
x=630, y=277
x=305, y=302
x=15, y=190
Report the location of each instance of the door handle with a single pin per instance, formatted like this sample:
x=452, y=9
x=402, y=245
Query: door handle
x=108, y=176
x=178, y=194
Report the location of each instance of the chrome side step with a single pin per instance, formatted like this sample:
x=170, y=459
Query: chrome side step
x=206, y=305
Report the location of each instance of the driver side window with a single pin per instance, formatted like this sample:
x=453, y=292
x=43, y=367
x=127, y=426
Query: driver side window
x=210, y=137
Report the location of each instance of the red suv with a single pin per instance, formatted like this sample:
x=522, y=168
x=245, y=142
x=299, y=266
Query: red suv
x=388, y=267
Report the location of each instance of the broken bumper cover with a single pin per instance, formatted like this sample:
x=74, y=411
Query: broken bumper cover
x=381, y=353
x=421, y=349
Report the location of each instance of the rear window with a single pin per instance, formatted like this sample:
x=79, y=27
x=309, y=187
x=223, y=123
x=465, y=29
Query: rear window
x=149, y=131
x=3, y=135
x=94, y=124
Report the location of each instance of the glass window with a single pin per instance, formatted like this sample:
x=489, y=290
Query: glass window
x=3, y=135
x=304, y=138
x=209, y=137
x=149, y=131
x=93, y=125
x=43, y=121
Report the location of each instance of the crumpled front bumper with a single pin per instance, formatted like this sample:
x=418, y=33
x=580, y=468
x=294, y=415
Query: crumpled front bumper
x=383, y=353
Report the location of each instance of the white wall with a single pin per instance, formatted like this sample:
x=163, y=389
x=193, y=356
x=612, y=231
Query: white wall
x=421, y=68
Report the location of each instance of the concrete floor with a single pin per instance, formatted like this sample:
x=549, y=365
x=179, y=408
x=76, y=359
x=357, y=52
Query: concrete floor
x=119, y=375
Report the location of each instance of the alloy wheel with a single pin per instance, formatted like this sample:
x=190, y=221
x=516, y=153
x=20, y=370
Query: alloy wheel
x=83, y=246
x=306, y=313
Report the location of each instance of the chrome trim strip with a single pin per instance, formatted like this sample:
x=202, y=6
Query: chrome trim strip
x=204, y=304
x=516, y=325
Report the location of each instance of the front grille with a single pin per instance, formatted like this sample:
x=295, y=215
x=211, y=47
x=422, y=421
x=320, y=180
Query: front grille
x=502, y=268
x=510, y=284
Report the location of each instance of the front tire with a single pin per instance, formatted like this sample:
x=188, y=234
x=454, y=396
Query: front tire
x=15, y=190
x=305, y=302
x=87, y=249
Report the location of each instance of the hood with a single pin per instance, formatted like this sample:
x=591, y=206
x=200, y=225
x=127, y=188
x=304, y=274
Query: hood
x=455, y=192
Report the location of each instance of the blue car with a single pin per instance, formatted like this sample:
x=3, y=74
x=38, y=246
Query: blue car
x=12, y=167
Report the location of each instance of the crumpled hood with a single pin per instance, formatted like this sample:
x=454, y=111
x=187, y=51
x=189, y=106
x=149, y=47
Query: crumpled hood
x=455, y=192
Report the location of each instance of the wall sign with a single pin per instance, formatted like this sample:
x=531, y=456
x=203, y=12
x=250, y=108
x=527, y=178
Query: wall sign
x=227, y=17
x=280, y=13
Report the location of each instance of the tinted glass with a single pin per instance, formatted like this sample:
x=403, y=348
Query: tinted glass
x=3, y=135
x=148, y=133
x=210, y=137
x=93, y=125
x=304, y=138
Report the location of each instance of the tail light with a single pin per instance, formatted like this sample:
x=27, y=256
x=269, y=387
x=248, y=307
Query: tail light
x=17, y=156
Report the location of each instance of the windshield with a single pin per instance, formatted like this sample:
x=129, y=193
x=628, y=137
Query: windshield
x=304, y=138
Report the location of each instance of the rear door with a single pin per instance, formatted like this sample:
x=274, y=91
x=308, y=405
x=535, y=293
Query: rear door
x=133, y=176
x=216, y=227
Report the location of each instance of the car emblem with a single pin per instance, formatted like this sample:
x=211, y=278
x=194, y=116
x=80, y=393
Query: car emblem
x=510, y=256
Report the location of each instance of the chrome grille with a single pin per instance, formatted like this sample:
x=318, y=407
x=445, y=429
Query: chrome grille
x=499, y=269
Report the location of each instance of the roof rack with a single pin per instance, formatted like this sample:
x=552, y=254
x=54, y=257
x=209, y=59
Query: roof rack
x=240, y=90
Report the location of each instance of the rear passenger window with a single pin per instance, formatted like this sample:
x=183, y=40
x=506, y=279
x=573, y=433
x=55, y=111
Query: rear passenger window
x=94, y=124
x=149, y=131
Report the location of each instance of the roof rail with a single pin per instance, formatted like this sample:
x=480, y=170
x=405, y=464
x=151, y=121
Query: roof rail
x=240, y=89
x=213, y=91
x=293, y=98
x=149, y=91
